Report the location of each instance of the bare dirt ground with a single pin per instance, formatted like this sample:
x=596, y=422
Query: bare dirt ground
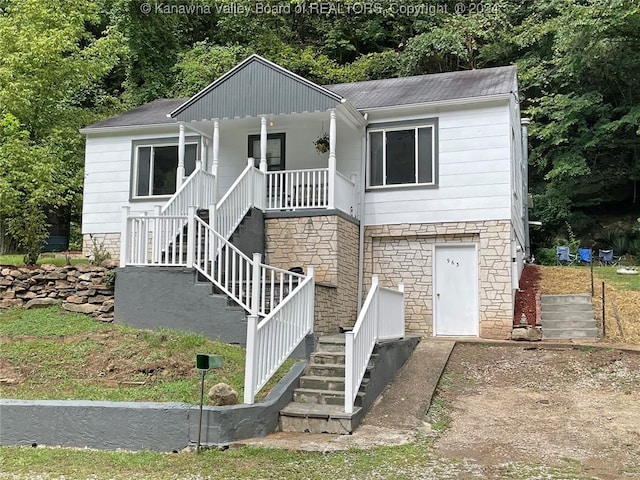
x=541, y=405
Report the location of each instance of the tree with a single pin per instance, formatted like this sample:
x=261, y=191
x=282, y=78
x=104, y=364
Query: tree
x=51, y=68
x=580, y=65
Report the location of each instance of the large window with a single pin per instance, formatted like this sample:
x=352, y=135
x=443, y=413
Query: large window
x=156, y=166
x=402, y=156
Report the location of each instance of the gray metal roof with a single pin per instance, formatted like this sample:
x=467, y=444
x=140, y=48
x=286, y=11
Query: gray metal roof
x=152, y=113
x=256, y=87
x=261, y=87
x=428, y=88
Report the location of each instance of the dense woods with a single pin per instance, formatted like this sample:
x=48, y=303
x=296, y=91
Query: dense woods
x=67, y=63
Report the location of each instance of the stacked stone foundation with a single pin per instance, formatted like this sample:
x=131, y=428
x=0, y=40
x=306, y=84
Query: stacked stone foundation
x=404, y=253
x=329, y=243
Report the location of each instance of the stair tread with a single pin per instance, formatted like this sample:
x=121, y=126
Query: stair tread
x=319, y=390
x=322, y=410
x=323, y=378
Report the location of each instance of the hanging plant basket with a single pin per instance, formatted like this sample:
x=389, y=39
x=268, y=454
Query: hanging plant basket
x=322, y=143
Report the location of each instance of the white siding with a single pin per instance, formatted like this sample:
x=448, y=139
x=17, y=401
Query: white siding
x=107, y=176
x=108, y=160
x=518, y=195
x=474, y=171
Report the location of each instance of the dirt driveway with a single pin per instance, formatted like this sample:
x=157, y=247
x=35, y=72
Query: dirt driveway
x=500, y=405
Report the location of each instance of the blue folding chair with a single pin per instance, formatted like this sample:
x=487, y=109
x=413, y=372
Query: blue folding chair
x=564, y=256
x=607, y=258
x=584, y=255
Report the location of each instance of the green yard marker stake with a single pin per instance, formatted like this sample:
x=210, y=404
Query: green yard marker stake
x=204, y=363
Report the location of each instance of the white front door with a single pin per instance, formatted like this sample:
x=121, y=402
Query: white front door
x=455, y=290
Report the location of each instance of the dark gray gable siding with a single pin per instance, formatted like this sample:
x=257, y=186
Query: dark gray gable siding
x=256, y=87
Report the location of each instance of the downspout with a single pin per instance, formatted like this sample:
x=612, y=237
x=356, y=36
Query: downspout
x=524, y=123
x=361, y=211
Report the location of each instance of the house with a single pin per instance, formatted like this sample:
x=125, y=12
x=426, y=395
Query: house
x=423, y=182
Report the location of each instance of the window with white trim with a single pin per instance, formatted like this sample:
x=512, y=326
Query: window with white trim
x=156, y=166
x=402, y=156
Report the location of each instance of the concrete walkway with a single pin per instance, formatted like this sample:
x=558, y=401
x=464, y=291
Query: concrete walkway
x=396, y=416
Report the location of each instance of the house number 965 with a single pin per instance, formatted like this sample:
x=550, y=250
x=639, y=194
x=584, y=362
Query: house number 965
x=453, y=263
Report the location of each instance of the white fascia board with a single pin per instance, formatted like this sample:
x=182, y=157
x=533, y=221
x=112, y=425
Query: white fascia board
x=438, y=104
x=169, y=127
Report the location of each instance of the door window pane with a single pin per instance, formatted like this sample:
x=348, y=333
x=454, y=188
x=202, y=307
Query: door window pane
x=190, y=156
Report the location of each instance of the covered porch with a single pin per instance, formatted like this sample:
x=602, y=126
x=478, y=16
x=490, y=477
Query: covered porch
x=306, y=140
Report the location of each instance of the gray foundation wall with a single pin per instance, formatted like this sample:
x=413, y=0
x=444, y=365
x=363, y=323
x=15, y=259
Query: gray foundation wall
x=391, y=356
x=140, y=426
x=169, y=297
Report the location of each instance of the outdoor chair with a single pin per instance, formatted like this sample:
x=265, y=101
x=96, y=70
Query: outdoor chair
x=564, y=256
x=607, y=258
x=584, y=255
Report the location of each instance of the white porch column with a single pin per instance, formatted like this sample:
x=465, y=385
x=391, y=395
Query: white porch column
x=263, y=144
x=332, y=134
x=216, y=146
x=180, y=172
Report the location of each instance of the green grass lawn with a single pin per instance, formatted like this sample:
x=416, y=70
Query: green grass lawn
x=415, y=460
x=54, y=354
x=53, y=258
x=621, y=282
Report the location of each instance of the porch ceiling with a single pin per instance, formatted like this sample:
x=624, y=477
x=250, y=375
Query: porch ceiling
x=256, y=87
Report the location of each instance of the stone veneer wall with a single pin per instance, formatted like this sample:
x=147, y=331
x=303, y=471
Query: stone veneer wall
x=403, y=253
x=110, y=242
x=329, y=243
x=78, y=288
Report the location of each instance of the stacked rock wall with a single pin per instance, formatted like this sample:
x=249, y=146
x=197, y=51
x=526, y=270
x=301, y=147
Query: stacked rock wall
x=78, y=288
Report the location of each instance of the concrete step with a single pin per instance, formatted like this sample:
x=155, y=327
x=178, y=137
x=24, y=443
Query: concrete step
x=322, y=382
x=559, y=333
x=325, y=370
x=331, y=343
x=322, y=397
x=315, y=418
x=323, y=358
x=567, y=324
x=572, y=307
x=567, y=316
x=565, y=299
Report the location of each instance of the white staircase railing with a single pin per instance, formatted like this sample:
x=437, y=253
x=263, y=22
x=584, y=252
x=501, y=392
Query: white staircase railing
x=381, y=317
x=198, y=190
x=272, y=339
x=247, y=191
x=235, y=273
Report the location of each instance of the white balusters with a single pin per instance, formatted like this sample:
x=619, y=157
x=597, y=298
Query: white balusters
x=381, y=317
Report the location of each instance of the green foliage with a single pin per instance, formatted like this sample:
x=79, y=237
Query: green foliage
x=109, y=279
x=51, y=66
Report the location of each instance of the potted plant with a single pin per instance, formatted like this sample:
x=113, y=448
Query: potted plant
x=322, y=143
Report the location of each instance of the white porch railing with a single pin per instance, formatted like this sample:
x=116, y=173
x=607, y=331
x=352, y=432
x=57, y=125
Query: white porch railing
x=310, y=188
x=198, y=190
x=271, y=340
x=159, y=240
x=381, y=317
x=247, y=191
x=296, y=189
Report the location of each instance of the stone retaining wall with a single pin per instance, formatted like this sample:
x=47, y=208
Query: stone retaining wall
x=78, y=288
